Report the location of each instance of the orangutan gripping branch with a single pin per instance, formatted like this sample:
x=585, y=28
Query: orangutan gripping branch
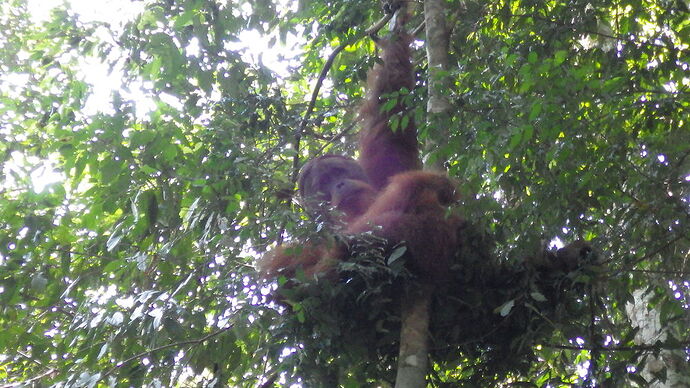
x=384, y=152
x=384, y=192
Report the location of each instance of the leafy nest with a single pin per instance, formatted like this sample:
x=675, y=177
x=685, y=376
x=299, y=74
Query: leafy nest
x=484, y=320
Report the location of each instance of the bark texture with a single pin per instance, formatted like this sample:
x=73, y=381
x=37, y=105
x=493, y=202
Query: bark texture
x=437, y=55
x=414, y=337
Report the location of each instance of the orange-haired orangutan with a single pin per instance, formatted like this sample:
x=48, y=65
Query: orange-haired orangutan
x=384, y=192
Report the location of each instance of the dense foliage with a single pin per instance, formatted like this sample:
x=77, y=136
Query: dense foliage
x=129, y=225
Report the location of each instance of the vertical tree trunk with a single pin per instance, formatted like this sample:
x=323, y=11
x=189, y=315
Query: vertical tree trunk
x=437, y=55
x=414, y=336
x=438, y=105
x=413, y=359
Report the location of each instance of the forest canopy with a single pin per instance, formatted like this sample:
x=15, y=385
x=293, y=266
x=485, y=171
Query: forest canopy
x=149, y=159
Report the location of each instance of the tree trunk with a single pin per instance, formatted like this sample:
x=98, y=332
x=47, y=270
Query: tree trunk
x=414, y=336
x=437, y=105
x=416, y=303
x=437, y=55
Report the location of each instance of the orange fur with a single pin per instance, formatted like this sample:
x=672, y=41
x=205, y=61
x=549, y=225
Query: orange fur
x=384, y=192
x=312, y=258
x=412, y=210
x=384, y=152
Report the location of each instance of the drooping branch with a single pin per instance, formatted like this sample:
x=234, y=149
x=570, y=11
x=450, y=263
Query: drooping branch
x=145, y=353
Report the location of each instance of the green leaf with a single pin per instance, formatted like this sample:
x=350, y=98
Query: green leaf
x=396, y=254
x=559, y=57
x=113, y=241
x=394, y=123
x=185, y=19
x=505, y=308
x=515, y=140
x=404, y=121
x=205, y=79
x=389, y=104
x=538, y=296
x=535, y=111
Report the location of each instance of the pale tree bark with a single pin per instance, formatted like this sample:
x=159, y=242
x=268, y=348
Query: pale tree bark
x=651, y=331
x=414, y=336
x=413, y=359
x=437, y=55
x=438, y=105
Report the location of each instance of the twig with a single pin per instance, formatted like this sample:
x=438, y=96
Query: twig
x=418, y=29
x=651, y=254
x=28, y=382
x=163, y=347
x=29, y=358
x=643, y=347
x=576, y=28
x=340, y=134
x=660, y=272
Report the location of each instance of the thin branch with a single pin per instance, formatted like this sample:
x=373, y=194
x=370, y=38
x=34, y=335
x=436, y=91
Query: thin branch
x=674, y=273
x=30, y=381
x=576, y=28
x=163, y=347
x=26, y=356
x=630, y=266
x=643, y=347
x=338, y=135
x=418, y=29
x=271, y=380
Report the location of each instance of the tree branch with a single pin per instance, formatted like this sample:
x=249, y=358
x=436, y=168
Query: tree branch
x=576, y=28
x=163, y=347
x=643, y=347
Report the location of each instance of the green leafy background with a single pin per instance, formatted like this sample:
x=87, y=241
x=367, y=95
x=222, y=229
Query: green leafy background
x=135, y=266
